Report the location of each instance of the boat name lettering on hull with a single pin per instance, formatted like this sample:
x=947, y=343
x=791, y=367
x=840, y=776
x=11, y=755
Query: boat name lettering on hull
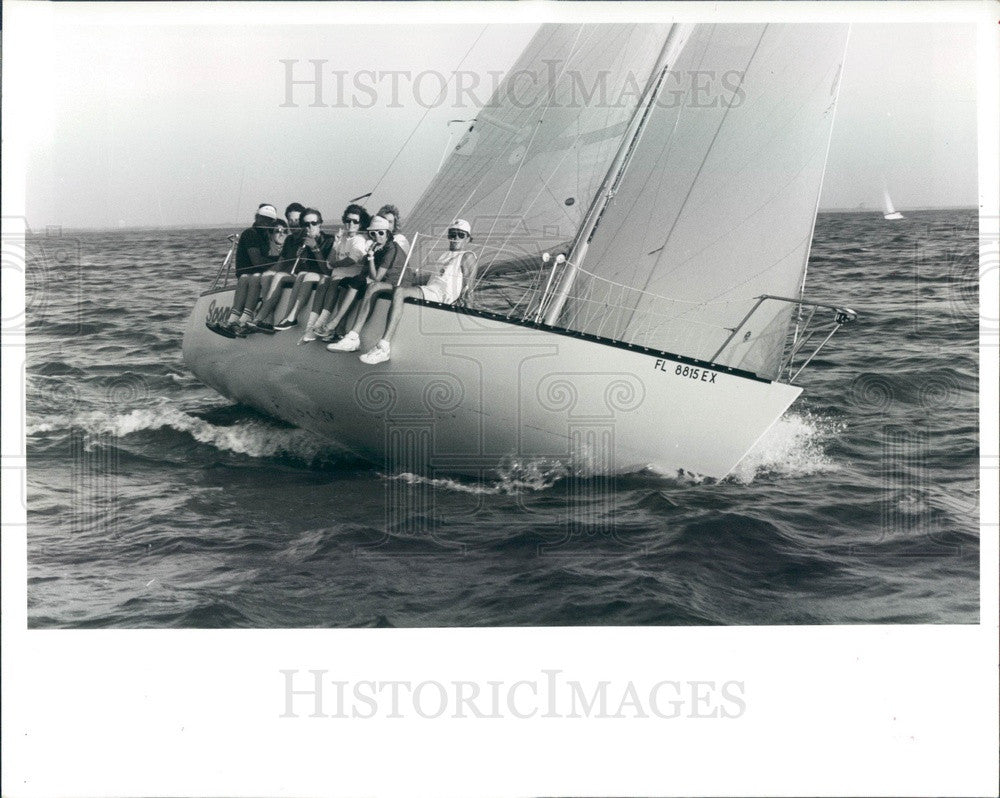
x=702, y=375
x=215, y=314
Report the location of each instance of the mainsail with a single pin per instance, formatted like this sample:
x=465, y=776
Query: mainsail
x=526, y=170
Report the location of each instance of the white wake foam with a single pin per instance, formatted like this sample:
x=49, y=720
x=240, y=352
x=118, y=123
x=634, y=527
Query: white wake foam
x=794, y=446
x=252, y=437
x=513, y=477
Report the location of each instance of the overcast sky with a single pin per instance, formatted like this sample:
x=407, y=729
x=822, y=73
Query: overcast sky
x=159, y=123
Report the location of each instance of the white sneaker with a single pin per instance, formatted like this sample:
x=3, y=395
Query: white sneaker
x=308, y=336
x=379, y=354
x=349, y=343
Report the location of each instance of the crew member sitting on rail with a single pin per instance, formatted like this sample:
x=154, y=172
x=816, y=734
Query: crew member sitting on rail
x=293, y=213
x=253, y=255
x=451, y=280
x=256, y=285
x=308, y=252
x=391, y=212
x=347, y=260
x=383, y=254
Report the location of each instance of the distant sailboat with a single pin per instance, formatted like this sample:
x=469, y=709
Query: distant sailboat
x=670, y=326
x=891, y=213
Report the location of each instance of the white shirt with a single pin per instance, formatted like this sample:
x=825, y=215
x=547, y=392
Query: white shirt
x=448, y=279
x=350, y=245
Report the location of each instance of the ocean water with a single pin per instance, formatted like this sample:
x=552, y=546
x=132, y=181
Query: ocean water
x=155, y=502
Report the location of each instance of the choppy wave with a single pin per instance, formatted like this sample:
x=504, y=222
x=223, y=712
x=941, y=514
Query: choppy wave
x=860, y=505
x=251, y=438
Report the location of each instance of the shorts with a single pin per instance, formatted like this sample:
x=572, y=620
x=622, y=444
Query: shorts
x=436, y=293
x=358, y=282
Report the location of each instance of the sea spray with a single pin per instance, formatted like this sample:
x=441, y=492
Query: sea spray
x=794, y=446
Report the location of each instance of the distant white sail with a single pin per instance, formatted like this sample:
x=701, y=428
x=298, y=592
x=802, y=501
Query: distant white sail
x=526, y=170
x=719, y=202
x=891, y=213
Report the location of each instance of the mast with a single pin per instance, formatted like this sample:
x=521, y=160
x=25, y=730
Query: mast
x=672, y=46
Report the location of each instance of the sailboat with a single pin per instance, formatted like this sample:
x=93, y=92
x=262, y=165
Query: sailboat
x=642, y=199
x=891, y=214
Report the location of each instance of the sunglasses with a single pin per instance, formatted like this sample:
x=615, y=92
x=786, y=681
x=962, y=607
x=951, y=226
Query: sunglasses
x=457, y=234
x=352, y=220
x=311, y=223
x=281, y=231
x=379, y=233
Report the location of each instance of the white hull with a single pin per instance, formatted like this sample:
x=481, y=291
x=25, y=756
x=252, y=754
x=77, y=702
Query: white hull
x=465, y=393
x=892, y=216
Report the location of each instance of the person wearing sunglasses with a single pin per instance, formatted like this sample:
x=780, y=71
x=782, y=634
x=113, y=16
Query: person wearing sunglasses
x=451, y=280
x=382, y=255
x=309, y=251
x=253, y=255
x=391, y=212
x=350, y=246
x=252, y=287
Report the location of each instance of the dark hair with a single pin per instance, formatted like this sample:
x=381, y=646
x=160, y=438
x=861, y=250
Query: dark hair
x=363, y=215
x=295, y=207
x=397, y=220
x=278, y=223
x=306, y=211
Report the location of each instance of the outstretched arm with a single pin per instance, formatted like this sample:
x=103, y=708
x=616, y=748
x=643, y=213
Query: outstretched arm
x=469, y=270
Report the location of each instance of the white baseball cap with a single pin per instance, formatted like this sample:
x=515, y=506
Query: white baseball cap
x=267, y=211
x=461, y=224
x=379, y=223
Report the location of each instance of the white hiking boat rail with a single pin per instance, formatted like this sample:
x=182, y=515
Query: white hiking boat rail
x=643, y=256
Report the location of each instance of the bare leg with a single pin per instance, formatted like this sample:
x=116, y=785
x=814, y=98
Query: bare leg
x=240, y=297
x=382, y=349
x=345, y=302
x=351, y=341
x=300, y=295
x=271, y=303
x=317, y=313
x=396, y=310
x=320, y=323
x=374, y=291
x=252, y=296
x=265, y=283
x=322, y=290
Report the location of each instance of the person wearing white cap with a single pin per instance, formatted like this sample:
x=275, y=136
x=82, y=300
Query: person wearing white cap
x=255, y=252
x=451, y=280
